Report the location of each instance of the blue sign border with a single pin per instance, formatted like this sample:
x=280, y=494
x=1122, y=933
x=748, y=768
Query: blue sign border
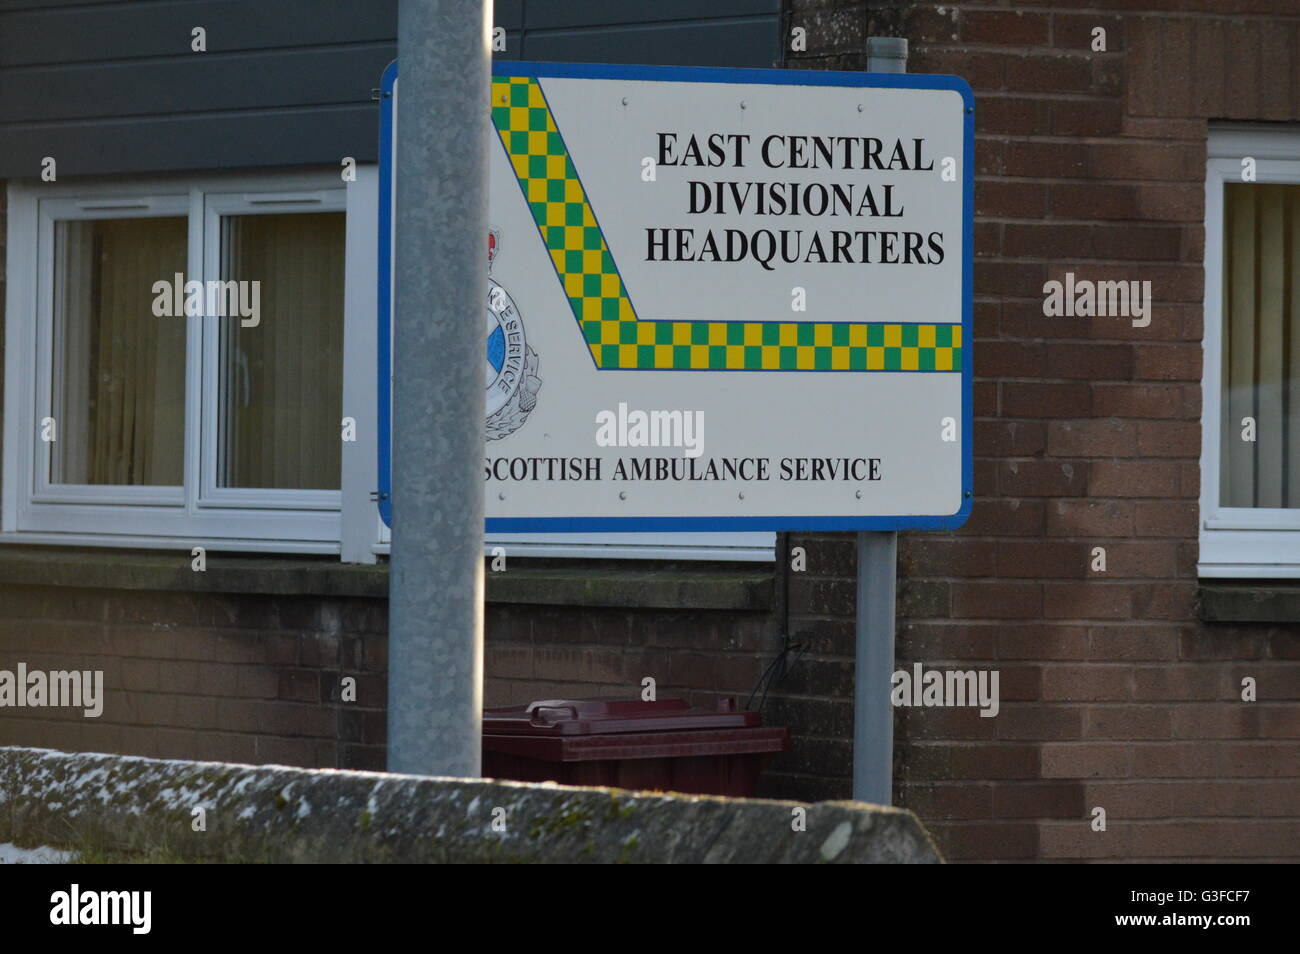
x=695, y=74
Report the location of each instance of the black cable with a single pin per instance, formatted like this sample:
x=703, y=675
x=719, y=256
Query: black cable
x=776, y=670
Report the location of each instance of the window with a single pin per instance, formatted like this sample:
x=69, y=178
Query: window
x=174, y=362
x=279, y=386
x=1250, y=465
x=118, y=374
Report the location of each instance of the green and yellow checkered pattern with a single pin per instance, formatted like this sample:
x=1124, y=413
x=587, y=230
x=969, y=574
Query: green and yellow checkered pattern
x=618, y=339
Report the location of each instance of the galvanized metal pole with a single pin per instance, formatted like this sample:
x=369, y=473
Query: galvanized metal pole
x=873, y=716
x=435, y=642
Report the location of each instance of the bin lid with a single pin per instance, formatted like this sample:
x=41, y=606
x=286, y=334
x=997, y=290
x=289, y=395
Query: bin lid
x=551, y=717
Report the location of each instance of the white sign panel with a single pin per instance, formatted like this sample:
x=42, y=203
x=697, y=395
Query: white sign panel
x=723, y=299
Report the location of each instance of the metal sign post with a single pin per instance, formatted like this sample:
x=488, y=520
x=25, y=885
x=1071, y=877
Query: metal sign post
x=873, y=715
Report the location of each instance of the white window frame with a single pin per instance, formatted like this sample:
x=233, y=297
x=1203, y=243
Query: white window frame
x=343, y=522
x=43, y=399
x=218, y=205
x=1238, y=542
x=194, y=514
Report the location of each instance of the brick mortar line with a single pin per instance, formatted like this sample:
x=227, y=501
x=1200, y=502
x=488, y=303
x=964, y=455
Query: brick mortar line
x=989, y=784
x=1049, y=222
x=1114, y=13
x=1023, y=51
x=1082, y=261
x=983, y=298
x=1087, y=180
x=1116, y=743
x=1009, y=624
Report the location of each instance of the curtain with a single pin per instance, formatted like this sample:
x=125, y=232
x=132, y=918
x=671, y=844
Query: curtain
x=282, y=380
x=119, y=371
x=1261, y=346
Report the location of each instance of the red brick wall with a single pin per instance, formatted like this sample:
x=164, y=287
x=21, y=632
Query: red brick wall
x=1088, y=434
x=249, y=678
x=536, y=652
x=196, y=676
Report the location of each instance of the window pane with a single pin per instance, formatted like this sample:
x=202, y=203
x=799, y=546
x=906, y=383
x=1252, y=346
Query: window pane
x=282, y=378
x=1261, y=347
x=118, y=393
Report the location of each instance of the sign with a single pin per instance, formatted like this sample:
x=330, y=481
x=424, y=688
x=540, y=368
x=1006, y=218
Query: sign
x=719, y=299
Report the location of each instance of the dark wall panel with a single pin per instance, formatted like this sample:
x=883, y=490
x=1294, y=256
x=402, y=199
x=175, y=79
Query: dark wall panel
x=748, y=42
x=112, y=87
x=267, y=79
x=292, y=137
x=508, y=14
x=550, y=14
x=126, y=31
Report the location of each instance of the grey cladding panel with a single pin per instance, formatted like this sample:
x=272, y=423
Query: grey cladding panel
x=737, y=43
x=508, y=14
x=248, y=140
x=7, y=6
x=112, y=87
x=208, y=83
x=550, y=14
x=120, y=31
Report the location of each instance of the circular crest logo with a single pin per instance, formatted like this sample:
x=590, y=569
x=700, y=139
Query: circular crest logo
x=512, y=381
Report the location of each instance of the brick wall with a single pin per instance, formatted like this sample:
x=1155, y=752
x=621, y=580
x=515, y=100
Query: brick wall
x=557, y=652
x=252, y=678
x=231, y=678
x=1088, y=434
